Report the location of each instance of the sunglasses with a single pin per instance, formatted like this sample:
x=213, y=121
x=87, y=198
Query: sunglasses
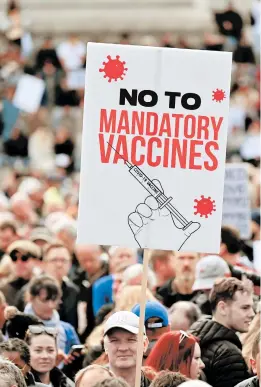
x=183, y=335
x=39, y=329
x=22, y=257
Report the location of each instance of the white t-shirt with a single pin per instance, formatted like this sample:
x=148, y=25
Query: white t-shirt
x=71, y=54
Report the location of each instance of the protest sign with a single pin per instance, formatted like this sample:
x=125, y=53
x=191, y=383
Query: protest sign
x=236, y=202
x=29, y=93
x=153, y=149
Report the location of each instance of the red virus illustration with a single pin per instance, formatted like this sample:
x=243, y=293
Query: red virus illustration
x=204, y=206
x=218, y=95
x=113, y=69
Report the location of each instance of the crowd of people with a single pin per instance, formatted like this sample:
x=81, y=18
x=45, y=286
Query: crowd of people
x=69, y=314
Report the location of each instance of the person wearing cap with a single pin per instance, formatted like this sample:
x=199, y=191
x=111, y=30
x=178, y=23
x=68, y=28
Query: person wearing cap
x=41, y=236
x=208, y=269
x=156, y=322
x=25, y=256
x=121, y=343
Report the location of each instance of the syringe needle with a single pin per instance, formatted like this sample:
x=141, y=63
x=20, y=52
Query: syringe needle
x=125, y=161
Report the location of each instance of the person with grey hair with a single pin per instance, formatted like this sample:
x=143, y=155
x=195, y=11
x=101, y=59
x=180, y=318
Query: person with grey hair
x=21, y=206
x=66, y=232
x=133, y=276
x=91, y=375
x=10, y=375
x=183, y=314
x=112, y=382
x=195, y=383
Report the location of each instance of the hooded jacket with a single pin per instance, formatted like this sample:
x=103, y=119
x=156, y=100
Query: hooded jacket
x=221, y=353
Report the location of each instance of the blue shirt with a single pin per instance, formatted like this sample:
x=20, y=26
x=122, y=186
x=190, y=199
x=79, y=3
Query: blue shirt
x=102, y=293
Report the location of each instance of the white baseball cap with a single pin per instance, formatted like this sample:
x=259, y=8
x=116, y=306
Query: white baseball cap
x=123, y=320
x=208, y=269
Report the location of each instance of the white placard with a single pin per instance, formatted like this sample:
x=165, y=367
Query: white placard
x=153, y=149
x=236, y=203
x=29, y=93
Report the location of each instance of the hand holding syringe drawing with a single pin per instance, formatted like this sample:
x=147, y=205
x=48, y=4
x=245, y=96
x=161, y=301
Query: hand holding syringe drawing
x=157, y=213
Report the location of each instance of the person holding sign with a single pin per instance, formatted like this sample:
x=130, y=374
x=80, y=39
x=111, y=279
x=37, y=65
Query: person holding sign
x=155, y=136
x=121, y=343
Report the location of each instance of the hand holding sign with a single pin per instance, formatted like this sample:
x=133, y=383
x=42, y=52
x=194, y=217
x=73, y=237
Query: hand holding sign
x=150, y=218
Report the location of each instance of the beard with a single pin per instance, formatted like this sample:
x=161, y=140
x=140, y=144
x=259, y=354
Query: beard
x=187, y=276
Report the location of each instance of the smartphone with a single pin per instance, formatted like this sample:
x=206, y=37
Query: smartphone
x=76, y=349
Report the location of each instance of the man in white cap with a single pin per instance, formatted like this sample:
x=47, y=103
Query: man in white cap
x=121, y=343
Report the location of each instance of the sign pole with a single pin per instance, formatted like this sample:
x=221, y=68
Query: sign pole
x=142, y=318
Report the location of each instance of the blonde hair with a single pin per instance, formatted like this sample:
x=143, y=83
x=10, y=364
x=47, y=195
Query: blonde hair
x=130, y=296
x=81, y=373
x=249, y=338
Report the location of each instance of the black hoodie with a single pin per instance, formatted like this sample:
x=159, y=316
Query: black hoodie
x=221, y=353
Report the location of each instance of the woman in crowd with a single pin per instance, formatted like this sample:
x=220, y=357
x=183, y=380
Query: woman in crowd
x=17, y=351
x=42, y=342
x=44, y=296
x=177, y=351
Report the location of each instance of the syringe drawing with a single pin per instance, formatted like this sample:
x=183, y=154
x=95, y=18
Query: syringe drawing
x=150, y=216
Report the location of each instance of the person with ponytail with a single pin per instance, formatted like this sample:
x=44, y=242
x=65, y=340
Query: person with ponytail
x=177, y=351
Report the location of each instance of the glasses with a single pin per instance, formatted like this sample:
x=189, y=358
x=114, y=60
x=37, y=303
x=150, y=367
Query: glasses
x=22, y=257
x=39, y=329
x=183, y=335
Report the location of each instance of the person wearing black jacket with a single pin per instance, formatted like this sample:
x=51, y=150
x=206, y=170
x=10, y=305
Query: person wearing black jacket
x=92, y=267
x=47, y=53
x=229, y=22
x=17, y=144
x=180, y=287
x=231, y=302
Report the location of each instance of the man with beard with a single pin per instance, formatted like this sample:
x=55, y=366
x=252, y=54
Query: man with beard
x=180, y=288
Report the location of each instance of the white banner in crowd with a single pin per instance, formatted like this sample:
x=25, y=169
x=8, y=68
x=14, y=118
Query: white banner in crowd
x=154, y=145
x=236, y=203
x=29, y=93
